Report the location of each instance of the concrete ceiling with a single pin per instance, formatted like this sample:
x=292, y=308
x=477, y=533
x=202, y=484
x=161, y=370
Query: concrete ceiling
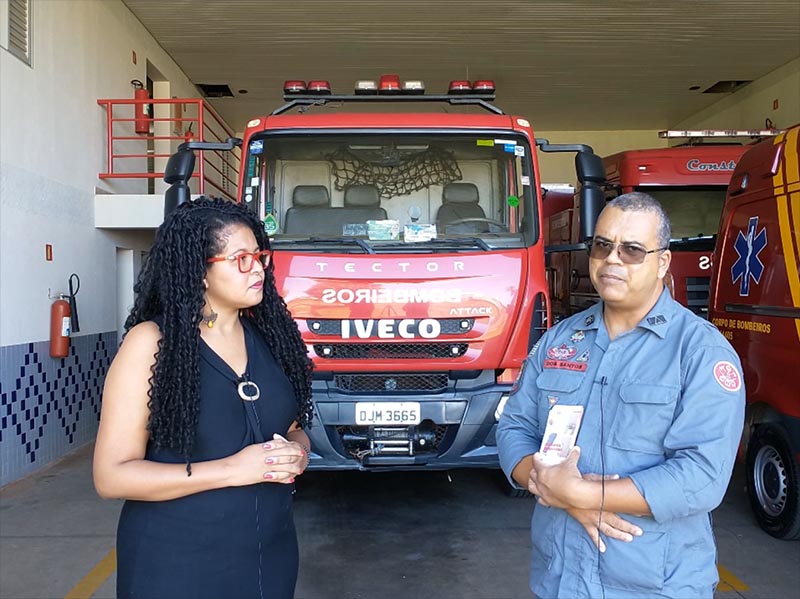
x=564, y=64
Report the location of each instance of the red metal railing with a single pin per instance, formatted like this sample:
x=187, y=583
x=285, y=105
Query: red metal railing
x=169, y=122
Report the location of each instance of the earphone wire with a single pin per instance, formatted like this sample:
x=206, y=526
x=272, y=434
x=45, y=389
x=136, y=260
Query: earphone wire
x=602, y=485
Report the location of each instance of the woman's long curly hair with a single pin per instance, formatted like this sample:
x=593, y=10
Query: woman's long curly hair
x=170, y=290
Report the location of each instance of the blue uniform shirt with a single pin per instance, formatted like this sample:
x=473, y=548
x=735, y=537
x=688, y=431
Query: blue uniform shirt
x=663, y=405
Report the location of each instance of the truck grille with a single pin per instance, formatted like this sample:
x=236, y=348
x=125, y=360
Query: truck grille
x=450, y=326
x=428, y=382
x=697, y=295
x=394, y=351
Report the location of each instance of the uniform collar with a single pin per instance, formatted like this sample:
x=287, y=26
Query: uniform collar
x=660, y=316
x=657, y=320
x=590, y=318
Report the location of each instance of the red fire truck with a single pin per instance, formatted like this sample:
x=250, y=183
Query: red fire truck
x=408, y=247
x=755, y=302
x=690, y=182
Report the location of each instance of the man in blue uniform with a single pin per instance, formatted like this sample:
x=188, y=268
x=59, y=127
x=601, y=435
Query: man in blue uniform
x=627, y=514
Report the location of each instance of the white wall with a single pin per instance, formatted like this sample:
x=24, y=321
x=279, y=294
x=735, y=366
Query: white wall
x=52, y=147
x=749, y=107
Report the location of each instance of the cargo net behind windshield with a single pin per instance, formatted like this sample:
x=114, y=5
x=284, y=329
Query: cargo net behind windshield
x=394, y=171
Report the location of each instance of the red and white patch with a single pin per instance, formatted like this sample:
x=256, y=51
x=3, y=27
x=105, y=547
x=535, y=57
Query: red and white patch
x=727, y=375
x=566, y=365
x=563, y=352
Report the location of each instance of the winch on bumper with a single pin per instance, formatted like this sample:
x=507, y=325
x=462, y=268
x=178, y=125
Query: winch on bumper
x=452, y=427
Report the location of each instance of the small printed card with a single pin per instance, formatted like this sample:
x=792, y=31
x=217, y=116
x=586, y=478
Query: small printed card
x=561, y=432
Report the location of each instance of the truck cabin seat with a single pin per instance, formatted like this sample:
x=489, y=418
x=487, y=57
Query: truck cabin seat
x=310, y=212
x=362, y=203
x=460, y=201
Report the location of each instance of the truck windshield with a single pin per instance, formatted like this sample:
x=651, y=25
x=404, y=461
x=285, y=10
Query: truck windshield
x=693, y=212
x=311, y=188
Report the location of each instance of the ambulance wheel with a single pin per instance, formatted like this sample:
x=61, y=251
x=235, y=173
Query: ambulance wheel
x=773, y=483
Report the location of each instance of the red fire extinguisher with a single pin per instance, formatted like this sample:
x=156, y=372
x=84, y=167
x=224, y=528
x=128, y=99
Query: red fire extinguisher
x=59, y=327
x=142, y=122
x=64, y=319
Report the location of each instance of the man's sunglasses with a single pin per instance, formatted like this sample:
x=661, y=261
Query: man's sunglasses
x=246, y=260
x=629, y=253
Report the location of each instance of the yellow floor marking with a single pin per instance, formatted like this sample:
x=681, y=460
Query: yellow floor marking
x=728, y=582
x=89, y=584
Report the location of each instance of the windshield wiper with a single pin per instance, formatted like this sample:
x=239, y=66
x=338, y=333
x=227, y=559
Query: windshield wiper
x=337, y=240
x=470, y=241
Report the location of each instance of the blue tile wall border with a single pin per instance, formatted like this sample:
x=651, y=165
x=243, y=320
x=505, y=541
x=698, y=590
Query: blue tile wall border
x=49, y=406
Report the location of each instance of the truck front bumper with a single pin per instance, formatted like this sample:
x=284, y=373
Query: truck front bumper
x=456, y=430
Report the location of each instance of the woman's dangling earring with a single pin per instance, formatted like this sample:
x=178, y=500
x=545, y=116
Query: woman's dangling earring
x=211, y=318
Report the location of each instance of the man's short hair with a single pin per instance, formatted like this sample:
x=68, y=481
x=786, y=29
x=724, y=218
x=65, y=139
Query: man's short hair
x=637, y=201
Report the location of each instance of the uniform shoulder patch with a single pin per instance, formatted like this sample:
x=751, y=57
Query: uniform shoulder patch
x=728, y=376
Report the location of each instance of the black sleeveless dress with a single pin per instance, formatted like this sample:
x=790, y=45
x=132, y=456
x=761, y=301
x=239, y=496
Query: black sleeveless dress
x=236, y=542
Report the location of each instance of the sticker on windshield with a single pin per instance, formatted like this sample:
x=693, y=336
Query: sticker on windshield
x=525, y=179
x=519, y=150
x=510, y=148
x=270, y=225
x=257, y=146
x=513, y=201
x=485, y=142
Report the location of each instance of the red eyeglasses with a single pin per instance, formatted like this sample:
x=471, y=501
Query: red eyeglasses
x=246, y=260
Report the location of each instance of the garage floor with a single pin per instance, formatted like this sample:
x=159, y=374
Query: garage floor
x=362, y=536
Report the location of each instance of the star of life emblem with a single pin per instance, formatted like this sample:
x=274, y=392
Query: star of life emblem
x=748, y=265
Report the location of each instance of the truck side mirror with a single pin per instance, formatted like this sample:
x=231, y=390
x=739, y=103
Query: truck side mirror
x=591, y=175
x=177, y=173
x=592, y=200
x=589, y=167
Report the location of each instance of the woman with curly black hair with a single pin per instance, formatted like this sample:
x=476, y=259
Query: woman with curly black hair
x=204, y=406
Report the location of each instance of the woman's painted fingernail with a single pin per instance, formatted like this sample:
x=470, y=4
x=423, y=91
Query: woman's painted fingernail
x=270, y=460
x=267, y=446
x=291, y=480
x=269, y=475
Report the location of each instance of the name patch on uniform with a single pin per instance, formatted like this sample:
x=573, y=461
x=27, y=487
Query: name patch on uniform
x=727, y=375
x=562, y=352
x=565, y=365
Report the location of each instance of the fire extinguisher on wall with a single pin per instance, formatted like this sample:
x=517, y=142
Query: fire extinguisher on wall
x=64, y=319
x=142, y=118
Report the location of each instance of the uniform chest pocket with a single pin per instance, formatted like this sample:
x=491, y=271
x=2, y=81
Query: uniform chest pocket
x=557, y=387
x=644, y=416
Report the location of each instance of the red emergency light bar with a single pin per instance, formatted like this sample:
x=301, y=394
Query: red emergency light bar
x=483, y=86
x=389, y=84
x=387, y=89
x=320, y=87
x=459, y=87
x=294, y=87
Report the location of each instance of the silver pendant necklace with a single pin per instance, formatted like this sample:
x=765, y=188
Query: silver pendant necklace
x=247, y=389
